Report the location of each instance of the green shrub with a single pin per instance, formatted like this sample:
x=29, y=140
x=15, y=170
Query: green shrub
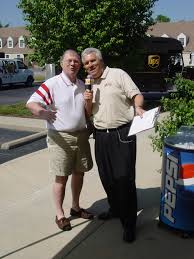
x=180, y=106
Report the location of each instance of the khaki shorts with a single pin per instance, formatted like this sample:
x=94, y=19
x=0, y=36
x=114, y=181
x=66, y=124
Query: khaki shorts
x=68, y=152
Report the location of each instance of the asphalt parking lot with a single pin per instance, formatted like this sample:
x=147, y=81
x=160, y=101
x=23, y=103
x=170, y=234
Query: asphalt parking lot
x=8, y=135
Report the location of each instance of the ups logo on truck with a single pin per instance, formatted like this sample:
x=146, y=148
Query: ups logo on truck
x=153, y=61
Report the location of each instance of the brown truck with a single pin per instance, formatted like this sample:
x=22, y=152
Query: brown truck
x=160, y=58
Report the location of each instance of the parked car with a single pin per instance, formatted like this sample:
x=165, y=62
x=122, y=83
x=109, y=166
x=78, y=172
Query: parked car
x=15, y=72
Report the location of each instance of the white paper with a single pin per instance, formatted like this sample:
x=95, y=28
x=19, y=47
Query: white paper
x=146, y=122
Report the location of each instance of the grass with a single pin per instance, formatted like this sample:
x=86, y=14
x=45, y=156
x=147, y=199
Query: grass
x=39, y=78
x=18, y=110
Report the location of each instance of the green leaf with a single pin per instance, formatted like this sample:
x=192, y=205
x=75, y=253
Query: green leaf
x=180, y=106
x=114, y=26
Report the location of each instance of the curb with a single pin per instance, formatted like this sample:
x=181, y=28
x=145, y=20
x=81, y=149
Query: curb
x=22, y=141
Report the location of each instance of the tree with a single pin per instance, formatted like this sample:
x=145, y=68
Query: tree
x=180, y=106
x=4, y=26
x=114, y=26
x=162, y=18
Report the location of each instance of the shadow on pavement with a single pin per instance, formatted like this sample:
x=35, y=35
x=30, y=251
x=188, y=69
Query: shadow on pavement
x=104, y=239
x=36, y=242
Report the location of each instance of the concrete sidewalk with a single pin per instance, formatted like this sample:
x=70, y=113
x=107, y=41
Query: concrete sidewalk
x=27, y=213
x=18, y=123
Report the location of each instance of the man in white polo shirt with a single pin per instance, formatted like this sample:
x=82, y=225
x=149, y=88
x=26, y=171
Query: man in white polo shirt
x=60, y=102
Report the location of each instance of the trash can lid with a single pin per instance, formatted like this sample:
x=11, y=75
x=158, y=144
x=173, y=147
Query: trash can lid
x=183, y=139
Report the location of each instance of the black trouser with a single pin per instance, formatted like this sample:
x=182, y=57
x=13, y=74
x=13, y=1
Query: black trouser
x=116, y=165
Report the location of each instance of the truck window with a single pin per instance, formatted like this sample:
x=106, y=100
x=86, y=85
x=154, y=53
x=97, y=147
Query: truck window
x=11, y=67
x=8, y=66
x=1, y=66
x=21, y=65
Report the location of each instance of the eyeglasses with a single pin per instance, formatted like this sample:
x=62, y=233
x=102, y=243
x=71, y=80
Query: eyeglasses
x=71, y=61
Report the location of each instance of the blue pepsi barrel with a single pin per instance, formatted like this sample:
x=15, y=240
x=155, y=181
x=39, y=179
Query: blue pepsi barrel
x=177, y=190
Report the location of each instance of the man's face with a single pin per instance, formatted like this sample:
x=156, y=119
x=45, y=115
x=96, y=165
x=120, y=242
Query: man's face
x=71, y=64
x=93, y=65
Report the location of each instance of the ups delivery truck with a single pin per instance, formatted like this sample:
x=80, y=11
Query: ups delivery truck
x=159, y=58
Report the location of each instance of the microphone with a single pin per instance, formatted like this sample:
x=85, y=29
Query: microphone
x=88, y=82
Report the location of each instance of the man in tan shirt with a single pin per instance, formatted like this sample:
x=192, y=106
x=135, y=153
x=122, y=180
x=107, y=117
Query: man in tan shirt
x=113, y=101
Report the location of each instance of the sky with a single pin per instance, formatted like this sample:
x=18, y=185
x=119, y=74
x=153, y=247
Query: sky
x=176, y=10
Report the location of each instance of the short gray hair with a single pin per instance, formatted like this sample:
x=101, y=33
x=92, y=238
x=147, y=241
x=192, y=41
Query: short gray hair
x=67, y=52
x=89, y=51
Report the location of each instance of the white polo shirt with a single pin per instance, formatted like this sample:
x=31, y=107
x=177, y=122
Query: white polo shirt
x=60, y=94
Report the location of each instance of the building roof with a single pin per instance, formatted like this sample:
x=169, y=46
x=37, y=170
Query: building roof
x=14, y=33
x=174, y=29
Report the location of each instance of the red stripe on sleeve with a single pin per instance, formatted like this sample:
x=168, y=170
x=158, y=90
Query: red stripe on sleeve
x=43, y=97
x=48, y=92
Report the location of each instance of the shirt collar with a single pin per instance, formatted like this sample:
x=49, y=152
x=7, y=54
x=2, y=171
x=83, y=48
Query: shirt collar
x=105, y=72
x=67, y=80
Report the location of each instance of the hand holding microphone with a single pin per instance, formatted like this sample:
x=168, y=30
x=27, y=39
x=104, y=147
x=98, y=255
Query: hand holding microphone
x=88, y=95
x=88, y=83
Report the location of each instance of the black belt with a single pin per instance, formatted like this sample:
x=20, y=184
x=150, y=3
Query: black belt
x=114, y=129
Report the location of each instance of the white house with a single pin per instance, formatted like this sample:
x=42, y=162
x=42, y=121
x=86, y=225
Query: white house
x=13, y=42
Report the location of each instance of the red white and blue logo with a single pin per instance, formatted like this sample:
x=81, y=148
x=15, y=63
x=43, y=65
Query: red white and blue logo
x=177, y=194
